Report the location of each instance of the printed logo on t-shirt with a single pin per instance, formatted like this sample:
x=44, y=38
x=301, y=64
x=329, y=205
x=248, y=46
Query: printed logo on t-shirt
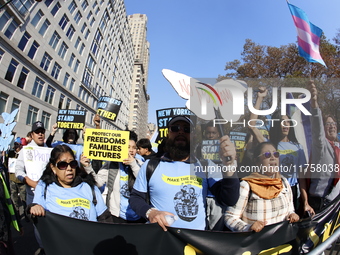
x=186, y=203
x=124, y=190
x=183, y=180
x=78, y=205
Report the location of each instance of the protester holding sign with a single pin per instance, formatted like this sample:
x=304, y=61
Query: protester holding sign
x=38, y=138
x=209, y=150
x=321, y=183
x=118, y=178
x=67, y=190
x=265, y=195
x=174, y=179
x=70, y=136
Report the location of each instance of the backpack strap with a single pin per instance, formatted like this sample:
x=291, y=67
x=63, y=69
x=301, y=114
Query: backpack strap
x=150, y=168
x=113, y=168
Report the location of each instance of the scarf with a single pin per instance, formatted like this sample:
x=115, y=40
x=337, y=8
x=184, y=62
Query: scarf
x=263, y=186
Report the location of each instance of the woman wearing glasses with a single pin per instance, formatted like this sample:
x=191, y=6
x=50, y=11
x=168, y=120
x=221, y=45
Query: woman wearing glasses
x=66, y=189
x=265, y=195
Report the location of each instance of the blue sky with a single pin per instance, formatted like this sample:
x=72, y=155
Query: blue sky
x=197, y=37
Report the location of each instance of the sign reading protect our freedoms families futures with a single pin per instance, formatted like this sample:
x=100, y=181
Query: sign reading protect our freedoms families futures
x=165, y=115
x=71, y=119
x=109, y=107
x=35, y=159
x=109, y=145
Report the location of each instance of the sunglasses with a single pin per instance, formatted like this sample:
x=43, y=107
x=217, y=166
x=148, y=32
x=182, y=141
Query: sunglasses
x=38, y=131
x=62, y=165
x=175, y=129
x=276, y=154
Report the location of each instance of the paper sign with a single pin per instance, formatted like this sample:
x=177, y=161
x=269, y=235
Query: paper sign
x=109, y=145
x=108, y=107
x=71, y=119
x=36, y=159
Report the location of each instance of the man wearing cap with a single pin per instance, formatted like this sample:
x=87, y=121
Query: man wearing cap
x=38, y=138
x=177, y=188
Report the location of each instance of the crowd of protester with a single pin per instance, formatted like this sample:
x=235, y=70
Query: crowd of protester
x=154, y=187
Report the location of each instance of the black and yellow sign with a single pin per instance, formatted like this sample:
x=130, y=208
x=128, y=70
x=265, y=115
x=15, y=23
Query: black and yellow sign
x=108, y=107
x=165, y=115
x=279, y=238
x=71, y=119
x=210, y=150
x=109, y=145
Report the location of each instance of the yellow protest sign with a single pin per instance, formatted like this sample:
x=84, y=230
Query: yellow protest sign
x=109, y=145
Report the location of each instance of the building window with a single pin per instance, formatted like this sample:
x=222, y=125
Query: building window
x=37, y=18
x=23, y=42
x=80, y=92
x=92, y=21
x=46, y=119
x=45, y=62
x=72, y=57
x=68, y=103
x=87, y=34
x=56, y=70
x=33, y=49
x=70, y=32
x=63, y=49
x=73, y=81
x=15, y=105
x=67, y=76
x=83, y=28
x=44, y=27
x=2, y=52
x=82, y=47
x=61, y=101
x=89, y=15
x=37, y=87
x=77, y=17
x=84, y=5
x=72, y=7
x=4, y=19
x=22, y=77
x=54, y=40
x=76, y=66
x=11, y=70
x=77, y=42
x=63, y=22
x=48, y=2
x=3, y=101
x=49, y=94
x=55, y=8
x=32, y=115
x=11, y=29
x=23, y=5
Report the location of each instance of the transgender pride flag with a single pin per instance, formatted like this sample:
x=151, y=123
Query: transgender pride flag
x=308, y=36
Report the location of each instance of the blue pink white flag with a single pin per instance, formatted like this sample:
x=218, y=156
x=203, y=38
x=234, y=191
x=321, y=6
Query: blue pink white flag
x=308, y=36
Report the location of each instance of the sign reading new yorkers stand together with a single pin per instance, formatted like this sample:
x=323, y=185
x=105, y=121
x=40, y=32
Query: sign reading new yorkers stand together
x=71, y=119
x=109, y=107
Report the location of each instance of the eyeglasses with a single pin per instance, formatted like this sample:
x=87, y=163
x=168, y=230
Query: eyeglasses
x=175, y=129
x=62, y=165
x=38, y=131
x=327, y=124
x=276, y=154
